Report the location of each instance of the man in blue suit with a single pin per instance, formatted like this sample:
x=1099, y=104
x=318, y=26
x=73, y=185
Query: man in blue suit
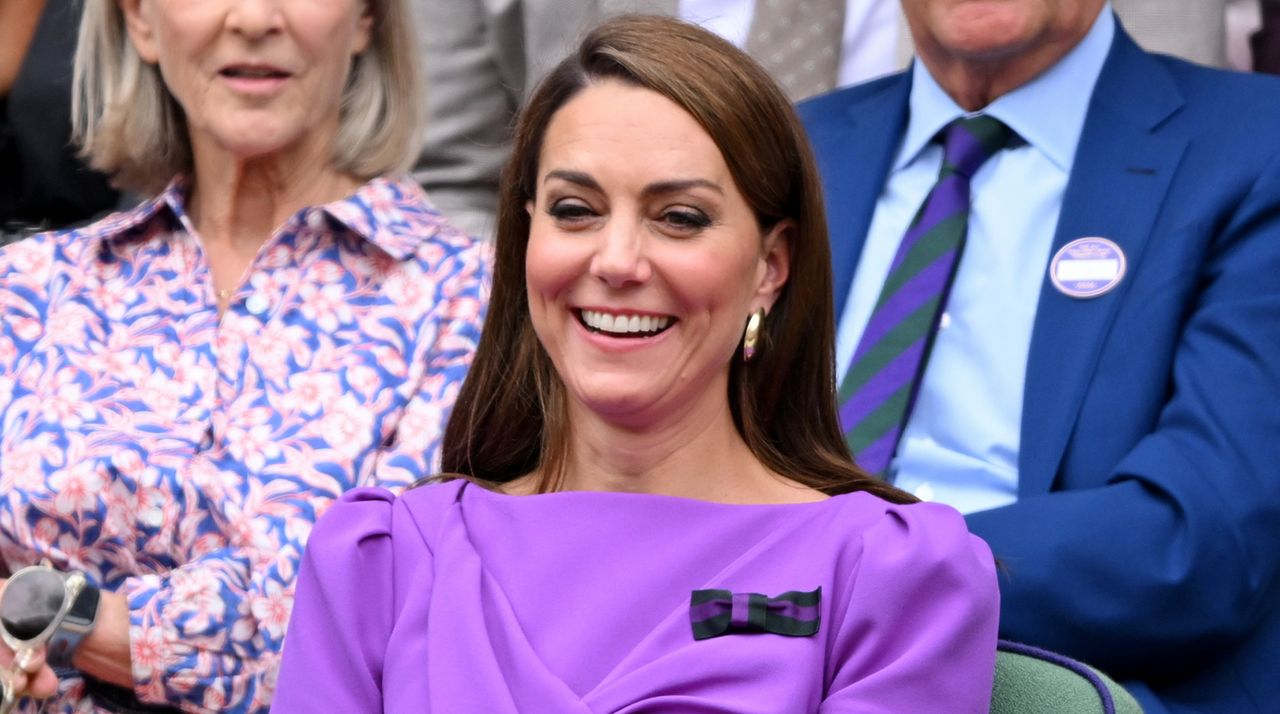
x=1107, y=410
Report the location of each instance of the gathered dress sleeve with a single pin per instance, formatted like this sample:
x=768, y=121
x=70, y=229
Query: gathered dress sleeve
x=344, y=610
x=919, y=631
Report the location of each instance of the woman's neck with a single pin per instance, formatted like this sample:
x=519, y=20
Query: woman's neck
x=701, y=456
x=242, y=201
x=236, y=205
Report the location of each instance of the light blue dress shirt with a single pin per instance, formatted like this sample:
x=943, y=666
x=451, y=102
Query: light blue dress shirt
x=960, y=445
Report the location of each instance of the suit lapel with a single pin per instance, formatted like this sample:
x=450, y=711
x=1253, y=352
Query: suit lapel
x=855, y=158
x=1118, y=184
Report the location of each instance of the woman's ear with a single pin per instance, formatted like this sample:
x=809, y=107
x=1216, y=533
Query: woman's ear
x=138, y=23
x=364, y=29
x=775, y=263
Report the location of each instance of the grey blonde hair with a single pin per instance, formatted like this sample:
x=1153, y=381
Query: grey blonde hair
x=130, y=127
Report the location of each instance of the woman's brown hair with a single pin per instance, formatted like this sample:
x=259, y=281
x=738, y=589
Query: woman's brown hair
x=511, y=418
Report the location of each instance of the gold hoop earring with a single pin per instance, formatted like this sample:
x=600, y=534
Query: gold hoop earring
x=751, y=339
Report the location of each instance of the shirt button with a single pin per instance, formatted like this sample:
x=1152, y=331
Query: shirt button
x=924, y=492
x=315, y=219
x=256, y=304
x=944, y=321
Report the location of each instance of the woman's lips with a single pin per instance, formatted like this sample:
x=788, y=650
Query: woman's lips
x=254, y=79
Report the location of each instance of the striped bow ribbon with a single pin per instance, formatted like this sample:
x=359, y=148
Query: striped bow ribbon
x=720, y=612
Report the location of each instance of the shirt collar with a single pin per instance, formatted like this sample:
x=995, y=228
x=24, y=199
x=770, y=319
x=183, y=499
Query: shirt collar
x=391, y=213
x=127, y=224
x=1067, y=86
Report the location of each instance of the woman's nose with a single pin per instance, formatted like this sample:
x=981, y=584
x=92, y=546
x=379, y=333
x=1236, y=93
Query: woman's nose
x=255, y=18
x=620, y=259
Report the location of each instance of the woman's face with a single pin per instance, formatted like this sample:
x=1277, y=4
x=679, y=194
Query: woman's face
x=254, y=77
x=644, y=260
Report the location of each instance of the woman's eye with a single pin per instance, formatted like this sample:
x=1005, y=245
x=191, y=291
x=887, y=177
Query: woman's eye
x=570, y=211
x=686, y=219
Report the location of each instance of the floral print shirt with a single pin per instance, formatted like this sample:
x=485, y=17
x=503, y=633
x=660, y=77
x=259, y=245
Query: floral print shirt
x=180, y=457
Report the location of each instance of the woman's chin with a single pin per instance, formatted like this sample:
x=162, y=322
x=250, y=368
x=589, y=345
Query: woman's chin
x=252, y=144
x=259, y=149
x=622, y=406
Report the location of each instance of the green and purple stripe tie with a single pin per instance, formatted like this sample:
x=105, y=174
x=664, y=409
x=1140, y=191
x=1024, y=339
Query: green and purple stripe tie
x=878, y=390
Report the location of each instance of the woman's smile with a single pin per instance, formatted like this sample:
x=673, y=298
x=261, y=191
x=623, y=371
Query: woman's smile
x=624, y=324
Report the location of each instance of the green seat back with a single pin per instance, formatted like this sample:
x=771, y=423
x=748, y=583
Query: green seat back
x=1030, y=680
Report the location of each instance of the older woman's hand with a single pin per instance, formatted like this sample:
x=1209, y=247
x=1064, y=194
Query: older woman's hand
x=29, y=676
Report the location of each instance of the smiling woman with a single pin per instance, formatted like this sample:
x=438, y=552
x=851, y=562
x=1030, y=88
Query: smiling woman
x=648, y=505
x=185, y=387
x=625, y=230
x=667, y=176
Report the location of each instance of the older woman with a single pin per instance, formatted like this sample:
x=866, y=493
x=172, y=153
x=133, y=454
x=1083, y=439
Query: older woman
x=184, y=388
x=653, y=508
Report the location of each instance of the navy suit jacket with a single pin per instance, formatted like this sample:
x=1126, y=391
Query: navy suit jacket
x=1146, y=535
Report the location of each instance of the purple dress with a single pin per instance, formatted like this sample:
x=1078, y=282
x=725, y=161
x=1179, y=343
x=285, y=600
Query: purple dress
x=456, y=599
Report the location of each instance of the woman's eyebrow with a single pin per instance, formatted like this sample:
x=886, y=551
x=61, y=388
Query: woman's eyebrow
x=657, y=188
x=675, y=186
x=574, y=177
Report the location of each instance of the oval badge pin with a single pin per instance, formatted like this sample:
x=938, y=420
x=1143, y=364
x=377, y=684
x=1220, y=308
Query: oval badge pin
x=1087, y=267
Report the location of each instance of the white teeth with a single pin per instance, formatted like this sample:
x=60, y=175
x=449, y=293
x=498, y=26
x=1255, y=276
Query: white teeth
x=623, y=324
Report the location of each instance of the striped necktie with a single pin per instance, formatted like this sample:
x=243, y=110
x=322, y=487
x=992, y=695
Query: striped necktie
x=879, y=389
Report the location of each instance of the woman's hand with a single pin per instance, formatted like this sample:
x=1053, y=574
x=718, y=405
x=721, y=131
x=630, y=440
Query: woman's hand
x=29, y=676
x=103, y=654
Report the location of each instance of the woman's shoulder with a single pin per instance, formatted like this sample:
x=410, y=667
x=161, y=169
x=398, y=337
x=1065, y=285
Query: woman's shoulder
x=425, y=496
x=869, y=509
x=922, y=535
x=919, y=518
x=396, y=213
x=435, y=260
x=35, y=261
x=372, y=512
